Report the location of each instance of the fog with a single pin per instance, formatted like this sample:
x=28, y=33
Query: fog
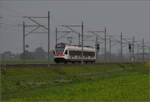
x=129, y=17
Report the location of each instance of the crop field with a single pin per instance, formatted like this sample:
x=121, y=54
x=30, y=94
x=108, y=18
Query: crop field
x=110, y=82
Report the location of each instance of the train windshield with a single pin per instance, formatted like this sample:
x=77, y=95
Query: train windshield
x=60, y=48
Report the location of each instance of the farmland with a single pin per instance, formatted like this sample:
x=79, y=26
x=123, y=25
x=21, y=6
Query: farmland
x=110, y=82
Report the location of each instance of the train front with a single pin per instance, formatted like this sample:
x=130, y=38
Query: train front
x=59, y=53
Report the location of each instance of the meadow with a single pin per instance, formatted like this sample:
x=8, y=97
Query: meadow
x=25, y=61
x=109, y=82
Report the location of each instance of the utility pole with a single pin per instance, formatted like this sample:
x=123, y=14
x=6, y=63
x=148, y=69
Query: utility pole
x=48, y=38
x=79, y=38
x=137, y=54
x=82, y=40
x=121, y=46
x=56, y=35
x=35, y=26
x=72, y=30
x=96, y=42
x=105, y=43
x=110, y=48
x=143, y=50
x=23, y=40
x=149, y=53
x=133, y=40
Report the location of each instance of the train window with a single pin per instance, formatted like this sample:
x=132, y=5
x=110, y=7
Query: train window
x=59, y=50
x=79, y=53
x=74, y=53
x=91, y=54
x=66, y=52
x=60, y=45
x=71, y=52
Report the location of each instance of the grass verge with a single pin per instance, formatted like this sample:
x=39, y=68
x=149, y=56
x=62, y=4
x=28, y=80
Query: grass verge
x=120, y=82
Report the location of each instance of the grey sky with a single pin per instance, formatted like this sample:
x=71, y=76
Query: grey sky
x=129, y=17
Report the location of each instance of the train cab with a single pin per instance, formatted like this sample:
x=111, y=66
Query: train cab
x=59, y=52
x=64, y=53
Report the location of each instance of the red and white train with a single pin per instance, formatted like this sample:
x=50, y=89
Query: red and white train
x=64, y=53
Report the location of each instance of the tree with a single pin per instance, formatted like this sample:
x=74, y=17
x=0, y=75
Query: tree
x=7, y=55
x=26, y=55
x=39, y=53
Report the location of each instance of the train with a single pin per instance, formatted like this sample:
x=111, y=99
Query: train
x=65, y=53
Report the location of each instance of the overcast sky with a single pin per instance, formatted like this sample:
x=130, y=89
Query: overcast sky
x=129, y=17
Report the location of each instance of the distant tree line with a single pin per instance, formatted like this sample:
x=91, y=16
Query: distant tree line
x=39, y=53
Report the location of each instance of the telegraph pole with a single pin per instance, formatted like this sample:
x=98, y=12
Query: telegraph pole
x=137, y=52
x=121, y=45
x=23, y=40
x=149, y=53
x=105, y=43
x=35, y=26
x=82, y=40
x=79, y=38
x=72, y=30
x=56, y=35
x=96, y=42
x=143, y=50
x=48, y=38
x=110, y=48
x=133, y=40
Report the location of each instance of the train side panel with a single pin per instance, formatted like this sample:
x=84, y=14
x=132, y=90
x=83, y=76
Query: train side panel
x=74, y=54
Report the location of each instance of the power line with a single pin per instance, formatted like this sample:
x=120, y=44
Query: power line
x=105, y=47
x=35, y=27
x=121, y=45
x=82, y=27
x=143, y=50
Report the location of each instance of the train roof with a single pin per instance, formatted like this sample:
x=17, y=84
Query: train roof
x=75, y=45
x=79, y=48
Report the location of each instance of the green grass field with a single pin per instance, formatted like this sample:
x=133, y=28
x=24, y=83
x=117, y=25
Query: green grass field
x=126, y=82
x=45, y=61
x=26, y=62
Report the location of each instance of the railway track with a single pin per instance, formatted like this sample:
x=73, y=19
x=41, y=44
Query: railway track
x=52, y=65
